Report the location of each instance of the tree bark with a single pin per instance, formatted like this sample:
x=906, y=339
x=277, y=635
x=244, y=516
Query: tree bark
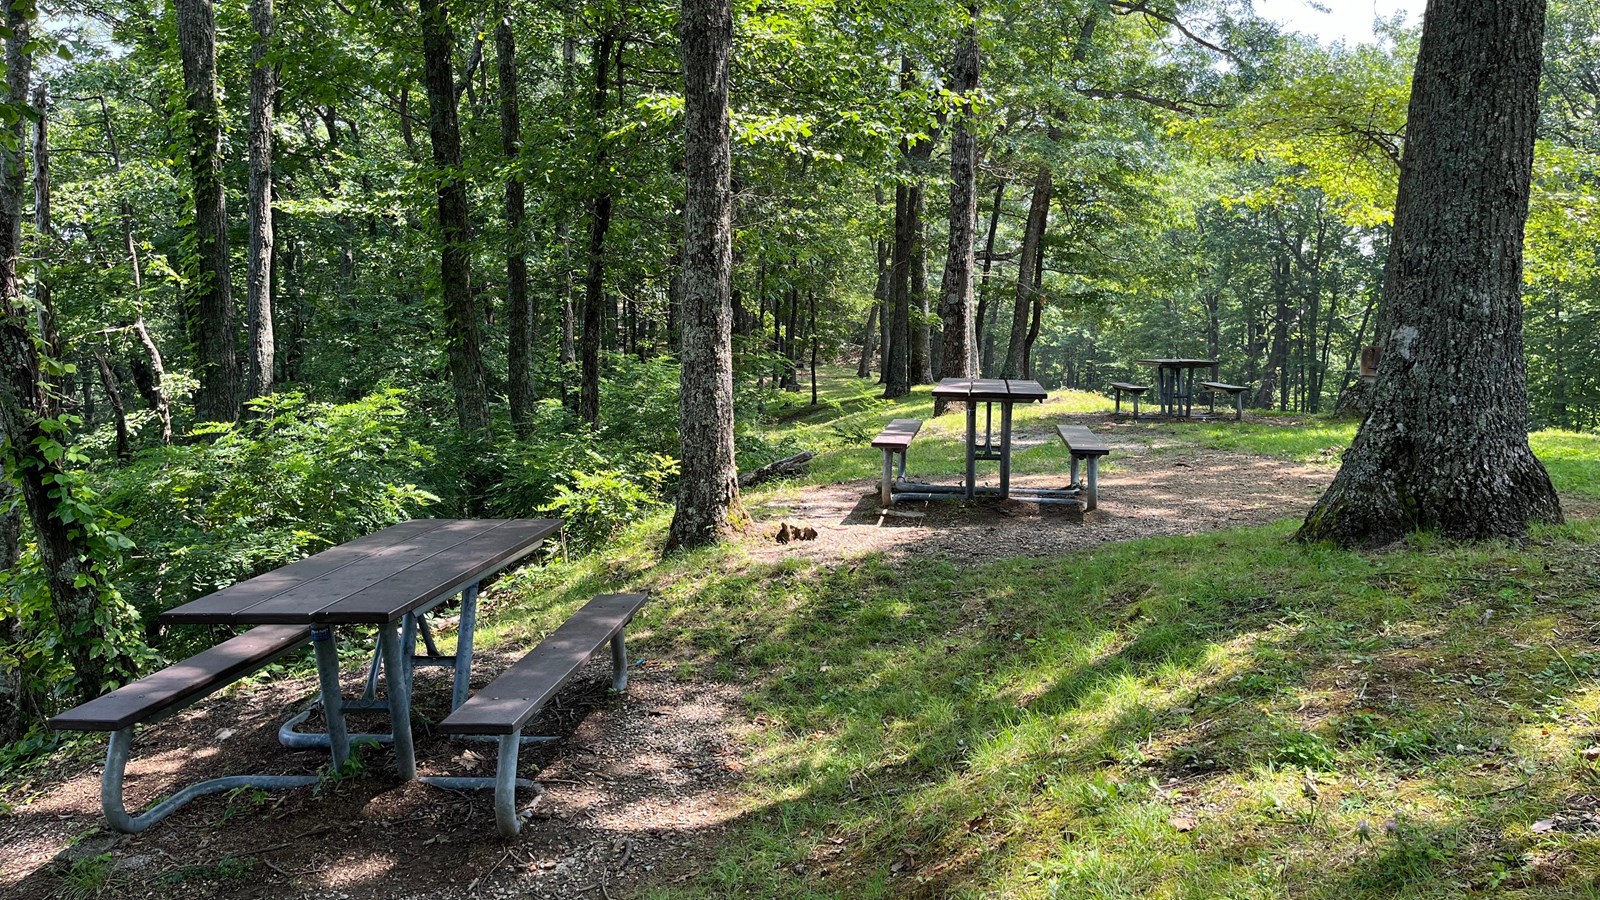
x=217, y=364
x=955, y=300
x=119, y=412
x=983, y=334
x=1032, y=238
x=258, y=283
x=920, y=365
x=708, y=507
x=594, y=312
x=463, y=337
x=44, y=233
x=65, y=555
x=897, y=354
x=1445, y=446
x=521, y=390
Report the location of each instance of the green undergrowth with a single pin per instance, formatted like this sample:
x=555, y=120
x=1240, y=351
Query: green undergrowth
x=1226, y=715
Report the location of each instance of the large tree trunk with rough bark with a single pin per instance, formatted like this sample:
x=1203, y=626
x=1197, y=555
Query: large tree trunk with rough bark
x=1445, y=446
x=463, y=332
x=1032, y=238
x=64, y=552
x=708, y=496
x=211, y=290
x=521, y=390
x=955, y=300
x=258, y=283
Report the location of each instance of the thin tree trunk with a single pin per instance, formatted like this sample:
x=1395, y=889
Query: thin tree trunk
x=811, y=328
x=955, y=301
x=920, y=365
x=594, y=312
x=463, y=331
x=521, y=390
x=119, y=412
x=1445, y=446
x=217, y=366
x=869, y=340
x=1036, y=318
x=708, y=507
x=45, y=308
x=258, y=285
x=984, y=335
x=896, y=364
x=1032, y=238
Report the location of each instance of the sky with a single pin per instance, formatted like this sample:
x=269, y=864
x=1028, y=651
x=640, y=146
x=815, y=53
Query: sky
x=1347, y=20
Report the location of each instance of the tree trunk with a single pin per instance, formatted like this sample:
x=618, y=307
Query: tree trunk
x=594, y=312
x=1033, y=236
x=920, y=365
x=44, y=233
x=463, y=331
x=955, y=300
x=217, y=366
x=119, y=412
x=811, y=328
x=897, y=361
x=869, y=336
x=521, y=390
x=1445, y=446
x=983, y=334
x=708, y=506
x=258, y=284
x=65, y=555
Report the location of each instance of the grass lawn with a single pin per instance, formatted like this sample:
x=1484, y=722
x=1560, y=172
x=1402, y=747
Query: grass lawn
x=1227, y=715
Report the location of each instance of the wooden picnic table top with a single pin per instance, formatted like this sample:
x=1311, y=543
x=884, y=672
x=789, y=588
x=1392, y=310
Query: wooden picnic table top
x=1003, y=390
x=1179, y=363
x=375, y=579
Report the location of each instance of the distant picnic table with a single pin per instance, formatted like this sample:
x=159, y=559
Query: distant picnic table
x=1175, y=381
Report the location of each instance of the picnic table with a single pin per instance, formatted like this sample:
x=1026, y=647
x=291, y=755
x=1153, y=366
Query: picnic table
x=389, y=579
x=1175, y=383
x=988, y=392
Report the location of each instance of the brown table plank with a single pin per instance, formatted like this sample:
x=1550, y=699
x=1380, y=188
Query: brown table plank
x=441, y=574
x=508, y=702
x=953, y=388
x=221, y=607
x=300, y=603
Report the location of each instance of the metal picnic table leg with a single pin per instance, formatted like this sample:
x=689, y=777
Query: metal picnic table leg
x=397, y=680
x=1005, y=451
x=327, y=653
x=465, y=630
x=972, y=449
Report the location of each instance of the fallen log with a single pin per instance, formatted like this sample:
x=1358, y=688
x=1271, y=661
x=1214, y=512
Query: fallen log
x=789, y=465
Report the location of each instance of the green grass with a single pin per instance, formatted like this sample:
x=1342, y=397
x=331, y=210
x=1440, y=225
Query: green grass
x=1043, y=728
x=1228, y=715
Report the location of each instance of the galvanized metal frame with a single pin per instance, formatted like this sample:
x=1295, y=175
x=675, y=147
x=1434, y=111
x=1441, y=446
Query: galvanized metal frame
x=505, y=782
x=120, y=749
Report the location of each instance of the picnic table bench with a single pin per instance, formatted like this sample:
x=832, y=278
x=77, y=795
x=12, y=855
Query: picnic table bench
x=1124, y=387
x=503, y=707
x=1235, y=392
x=162, y=693
x=895, y=439
x=1086, y=447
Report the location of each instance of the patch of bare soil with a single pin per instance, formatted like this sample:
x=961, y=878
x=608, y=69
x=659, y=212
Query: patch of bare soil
x=634, y=792
x=1148, y=487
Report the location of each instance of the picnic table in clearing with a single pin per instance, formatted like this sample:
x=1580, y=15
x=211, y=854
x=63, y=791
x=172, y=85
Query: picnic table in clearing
x=391, y=580
x=1175, y=383
x=989, y=391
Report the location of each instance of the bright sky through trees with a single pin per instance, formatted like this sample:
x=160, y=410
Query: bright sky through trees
x=1336, y=20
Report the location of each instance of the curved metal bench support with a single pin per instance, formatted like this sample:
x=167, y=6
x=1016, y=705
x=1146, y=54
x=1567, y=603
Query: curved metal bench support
x=504, y=783
x=116, y=812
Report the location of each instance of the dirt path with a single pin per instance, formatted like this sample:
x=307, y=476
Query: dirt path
x=1148, y=487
